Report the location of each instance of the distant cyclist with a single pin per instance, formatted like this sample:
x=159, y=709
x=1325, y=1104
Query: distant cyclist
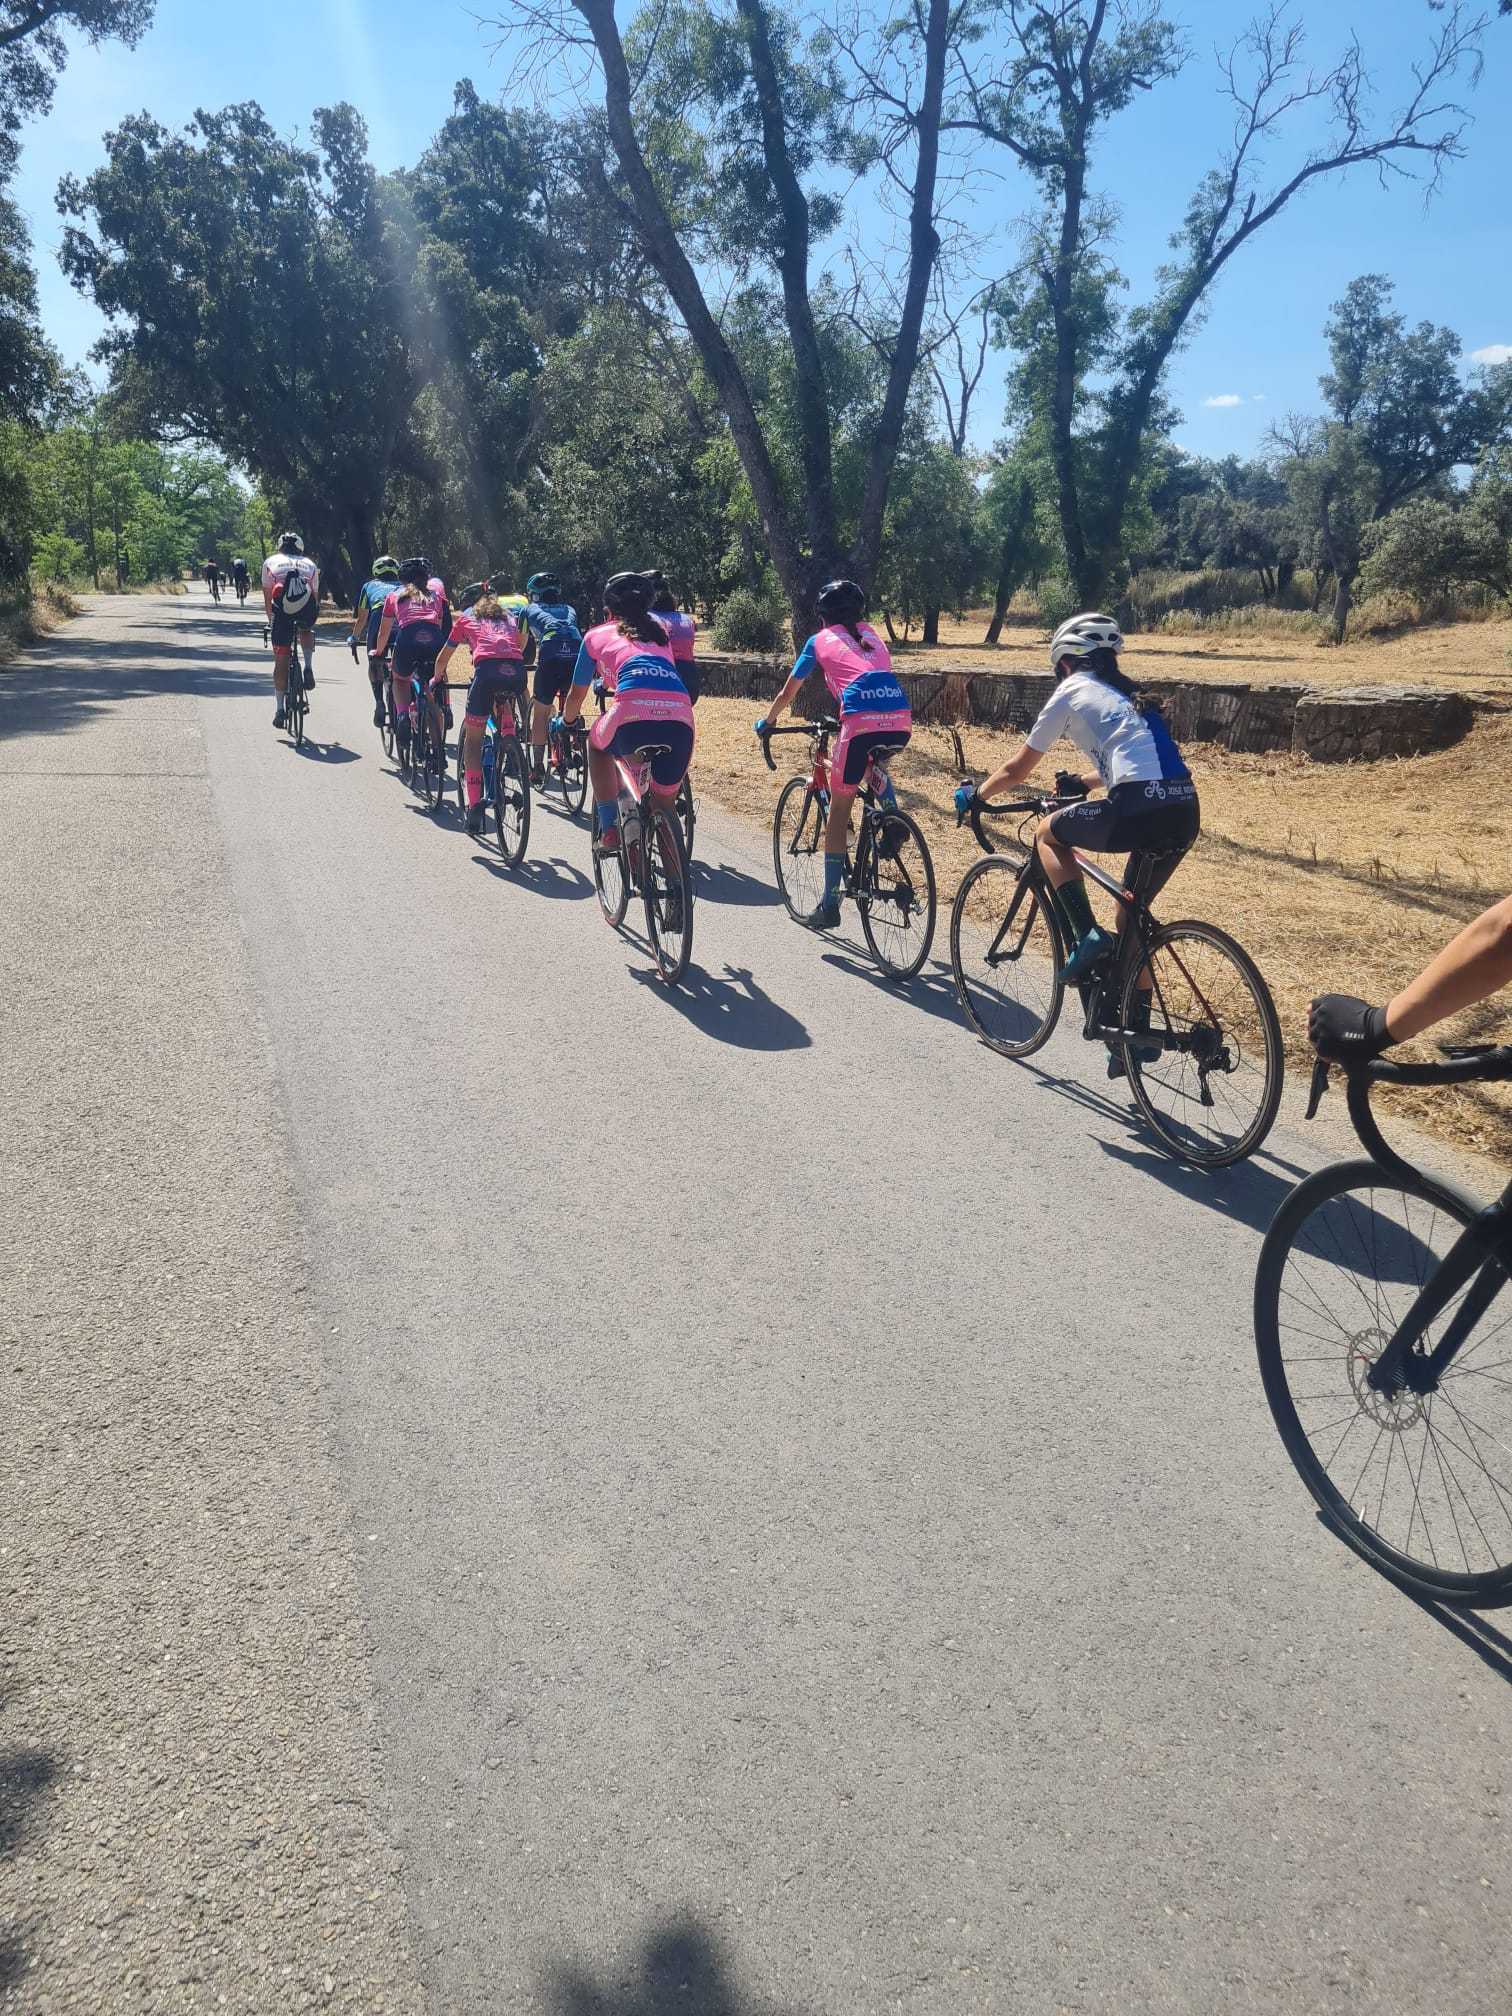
x=417, y=616
x=1473, y=965
x=291, y=600
x=632, y=655
x=239, y=579
x=213, y=580
x=367, y=615
x=1151, y=804
x=553, y=641
x=491, y=633
x=680, y=628
x=875, y=720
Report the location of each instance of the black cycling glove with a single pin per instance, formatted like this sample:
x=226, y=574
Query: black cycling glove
x=1069, y=785
x=1342, y=1026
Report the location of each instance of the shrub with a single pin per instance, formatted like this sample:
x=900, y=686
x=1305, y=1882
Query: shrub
x=1057, y=599
x=56, y=557
x=747, y=621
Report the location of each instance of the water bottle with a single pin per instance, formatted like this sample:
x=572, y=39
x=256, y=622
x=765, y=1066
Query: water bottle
x=489, y=754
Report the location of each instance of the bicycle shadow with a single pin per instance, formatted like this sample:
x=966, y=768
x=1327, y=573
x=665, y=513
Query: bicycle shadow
x=734, y=1010
x=1246, y=1192
x=554, y=878
x=327, y=752
x=1492, y=1647
x=725, y=884
x=680, y=1971
x=25, y=1777
x=932, y=988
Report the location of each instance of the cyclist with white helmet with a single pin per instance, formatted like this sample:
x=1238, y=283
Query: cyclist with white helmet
x=1150, y=805
x=291, y=601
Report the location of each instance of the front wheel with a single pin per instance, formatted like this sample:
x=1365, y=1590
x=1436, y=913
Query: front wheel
x=1005, y=951
x=896, y=893
x=798, y=846
x=1209, y=1080
x=511, y=799
x=1417, y=1479
x=668, y=891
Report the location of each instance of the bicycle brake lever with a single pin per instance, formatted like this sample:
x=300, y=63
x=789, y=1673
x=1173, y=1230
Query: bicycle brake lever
x=1460, y=1050
x=1319, y=1086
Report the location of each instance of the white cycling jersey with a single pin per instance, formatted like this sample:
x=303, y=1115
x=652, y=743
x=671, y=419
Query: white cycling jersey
x=278, y=565
x=1128, y=747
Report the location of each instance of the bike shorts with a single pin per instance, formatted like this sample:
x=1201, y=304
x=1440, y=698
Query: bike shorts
x=284, y=628
x=492, y=679
x=1137, y=820
x=550, y=683
x=416, y=648
x=633, y=724
x=861, y=737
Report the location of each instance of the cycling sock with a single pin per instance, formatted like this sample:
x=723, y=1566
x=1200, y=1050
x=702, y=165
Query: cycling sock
x=472, y=781
x=607, y=813
x=1076, y=909
x=834, y=877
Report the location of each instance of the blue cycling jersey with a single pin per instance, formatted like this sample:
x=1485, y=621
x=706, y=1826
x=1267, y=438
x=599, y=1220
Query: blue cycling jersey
x=371, y=597
x=554, y=626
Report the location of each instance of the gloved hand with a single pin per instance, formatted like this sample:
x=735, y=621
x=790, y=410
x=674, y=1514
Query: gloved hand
x=965, y=797
x=761, y=725
x=558, y=723
x=1069, y=785
x=1344, y=1027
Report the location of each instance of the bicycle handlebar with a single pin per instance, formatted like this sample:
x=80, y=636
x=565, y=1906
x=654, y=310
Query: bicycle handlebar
x=825, y=725
x=1462, y=1064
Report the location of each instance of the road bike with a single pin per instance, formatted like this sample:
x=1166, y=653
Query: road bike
x=1206, y=1073
x=240, y=585
x=567, y=763
x=296, y=700
x=651, y=859
x=421, y=739
x=687, y=815
x=386, y=732
x=506, y=777
x=214, y=586
x=889, y=874
x=1383, y=1325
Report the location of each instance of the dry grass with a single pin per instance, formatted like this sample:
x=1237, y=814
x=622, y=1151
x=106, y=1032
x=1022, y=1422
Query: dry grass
x=49, y=608
x=1334, y=877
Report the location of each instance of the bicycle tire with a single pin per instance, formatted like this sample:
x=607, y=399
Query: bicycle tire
x=667, y=892
x=386, y=732
x=297, y=705
x=574, y=771
x=612, y=883
x=687, y=813
x=1148, y=1082
x=1384, y=1248
x=1034, y=1023
x=877, y=901
x=511, y=799
x=433, y=785
x=801, y=882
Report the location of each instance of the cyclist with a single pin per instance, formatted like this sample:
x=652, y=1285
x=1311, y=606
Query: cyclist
x=552, y=641
x=367, y=615
x=631, y=654
x=418, y=617
x=239, y=579
x=213, y=580
x=875, y=720
x=1474, y=964
x=680, y=628
x=1151, y=804
x=291, y=601
x=492, y=635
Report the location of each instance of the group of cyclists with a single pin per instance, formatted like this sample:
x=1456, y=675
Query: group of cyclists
x=234, y=577
x=642, y=656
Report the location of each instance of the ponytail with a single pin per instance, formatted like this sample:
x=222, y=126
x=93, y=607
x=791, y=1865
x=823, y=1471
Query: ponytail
x=488, y=606
x=1103, y=665
x=854, y=629
x=642, y=627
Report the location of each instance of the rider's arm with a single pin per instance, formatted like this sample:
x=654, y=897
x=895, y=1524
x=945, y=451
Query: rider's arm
x=1476, y=963
x=807, y=662
x=385, y=631
x=582, y=679
x=1014, y=771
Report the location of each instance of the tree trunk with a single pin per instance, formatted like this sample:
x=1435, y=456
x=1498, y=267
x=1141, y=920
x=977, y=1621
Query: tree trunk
x=931, y=626
x=1343, y=602
x=887, y=621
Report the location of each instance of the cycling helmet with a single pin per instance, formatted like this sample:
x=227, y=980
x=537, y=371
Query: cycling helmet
x=627, y=591
x=415, y=573
x=663, y=601
x=290, y=542
x=842, y=601
x=385, y=568
x=544, y=588
x=1081, y=636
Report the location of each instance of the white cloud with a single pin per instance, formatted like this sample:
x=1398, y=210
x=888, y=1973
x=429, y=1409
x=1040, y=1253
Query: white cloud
x=1492, y=353
x=1224, y=399
x=1257, y=398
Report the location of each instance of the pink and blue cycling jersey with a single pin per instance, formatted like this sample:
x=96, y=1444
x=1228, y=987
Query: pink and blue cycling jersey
x=430, y=607
x=648, y=672
x=681, y=630
x=860, y=681
x=488, y=638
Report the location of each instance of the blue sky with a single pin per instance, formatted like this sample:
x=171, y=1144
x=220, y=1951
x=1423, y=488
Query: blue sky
x=1260, y=348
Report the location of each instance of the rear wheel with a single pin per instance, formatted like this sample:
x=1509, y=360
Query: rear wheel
x=511, y=798
x=798, y=846
x=668, y=893
x=433, y=770
x=1212, y=1091
x=897, y=896
x=611, y=881
x=297, y=706
x=686, y=814
x=574, y=770
x=1005, y=950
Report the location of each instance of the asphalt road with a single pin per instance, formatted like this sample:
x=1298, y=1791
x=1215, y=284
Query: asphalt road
x=762, y=1505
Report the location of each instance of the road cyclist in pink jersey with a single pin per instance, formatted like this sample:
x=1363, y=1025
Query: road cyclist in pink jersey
x=417, y=616
x=632, y=655
x=681, y=629
x=490, y=629
x=875, y=721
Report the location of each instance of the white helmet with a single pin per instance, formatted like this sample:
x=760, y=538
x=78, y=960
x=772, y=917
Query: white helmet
x=1080, y=636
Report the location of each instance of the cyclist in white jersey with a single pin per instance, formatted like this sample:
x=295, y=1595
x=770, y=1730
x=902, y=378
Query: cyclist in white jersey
x=291, y=601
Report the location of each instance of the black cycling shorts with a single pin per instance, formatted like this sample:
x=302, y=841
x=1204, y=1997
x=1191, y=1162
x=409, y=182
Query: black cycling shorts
x=284, y=628
x=416, y=645
x=492, y=679
x=551, y=681
x=856, y=751
x=1135, y=819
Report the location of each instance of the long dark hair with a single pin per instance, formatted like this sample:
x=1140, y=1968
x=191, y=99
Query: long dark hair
x=1103, y=664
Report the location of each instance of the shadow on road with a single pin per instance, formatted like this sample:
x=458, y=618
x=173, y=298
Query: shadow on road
x=555, y=878
x=932, y=988
x=725, y=884
x=328, y=752
x=63, y=682
x=733, y=1010
x=680, y=1971
x=1248, y=1192
x=25, y=1776
x=1492, y=1647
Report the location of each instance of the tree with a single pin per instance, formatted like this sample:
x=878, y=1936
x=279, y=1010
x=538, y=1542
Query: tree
x=731, y=168
x=933, y=549
x=1070, y=67
x=1433, y=545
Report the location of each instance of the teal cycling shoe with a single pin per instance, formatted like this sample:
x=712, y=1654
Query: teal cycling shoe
x=1088, y=954
x=825, y=918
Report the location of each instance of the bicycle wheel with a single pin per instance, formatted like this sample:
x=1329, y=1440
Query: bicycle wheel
x=686, y=814
x=1006, y=953
x=511, y=799
x=897, y=901
x=433, y=757
x=611, y=882
x=574, y=770
x=1419, y=1483
x=668, y=892
x=1212, y=1092
x=798, y=846
x=387, y=730
x=298, y=706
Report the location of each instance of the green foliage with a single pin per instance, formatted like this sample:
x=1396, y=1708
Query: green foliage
x=749, y=620
x=933, y=547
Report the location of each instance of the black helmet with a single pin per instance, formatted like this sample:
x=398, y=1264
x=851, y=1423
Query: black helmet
x=501, y=581
x=628, y=592
x=842, y=601
x=662, y=598
x=544, y=588
x=290, y=542
x=415, y=573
